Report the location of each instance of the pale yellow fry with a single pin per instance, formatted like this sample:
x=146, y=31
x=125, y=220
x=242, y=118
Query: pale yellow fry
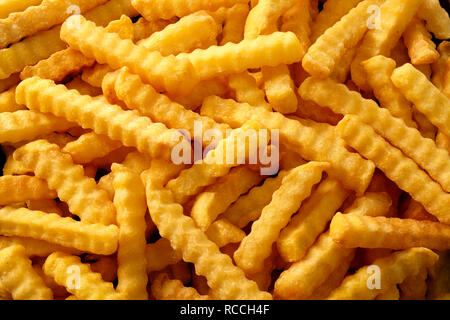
x=397, y=167
x=280, y=89
x=21, y=188
x=223, y=277
x=165, y=289
x=234, y=24
x=160, y=254
x=128, y=127
x=26, y=125
x=18, y=277
x=77, y=278
x=166, y=9
x=34, y=247
x=373, y=204
x=8, y=101
x=330, y=47
x=247, y=90
x=394, y=269
x=344, y=101
x=10, y=6
x=332, y=12
x=353, y=231
x=394, y=17
x=296, y=187
x=41, y=17
x=248, y=208
x=129, y=199
x=90, y=146
x=143, y=97
x=312, y=141
x=436, y=17
x=215, y=199
x=298, y=19
x=311, y=220
x=421, y=48
x=216, y=164
x=302, y=278
x=222, y=232
x=165, y=73
x=95, y=238
x=424, y=95
x=137, y=161
x=414, y=287
x=342, y=68
x=265, y=50
x=264, y=16
x=439, y=66
x=379, y=70
x=195, y=31
x=81, y=193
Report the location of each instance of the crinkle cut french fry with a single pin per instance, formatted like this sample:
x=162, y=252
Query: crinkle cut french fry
x=421, y=48
x=77, y=278
x=439, y=66
x=341, y=100
x=137, y=161
x=223, y=277
x=216, y=164
x=215, y=199
x=424, y=95
x=311, y=220
x=436, y=17
x=355, y=173
x=195, y=31
x=280, y=90
x=234, y=24
x=425, y=127
x=144, y=29
x=90, y=146
x=81, y=193
x=342, y=68
x=309, y=110
x=166, y=73
x=373, y=204
x=266, y=50
x=160, y=255
x=379, y=70
x=25, y=125
x=416, y=211
x=296, y=187
x=10, y=6
x=247, y=90
x=95, y=75
x=353, y=231
x=394, y=270
x=18, y=277
x=264, y=16
x=41, y=17
x=129, y=199
x=322, y=57
x=130, y=89
x=332, y=12
x=21, y=188
x=222, y=232
x=84, y=88
x=95, y=238
x=298, y=19
x=128, y=127
x=8, y=83
x=394, y=17
x=164, y=288
x=414, y=287
x=249, y=207
x=45, y=205
x=8, y=101
x=397, y=167
x=302, y=278
x=34, y=247
x=166, y=9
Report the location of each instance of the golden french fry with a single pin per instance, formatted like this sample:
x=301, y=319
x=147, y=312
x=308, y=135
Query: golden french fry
x=280, y=90
x=298, y=19
x=421, y=48
x=416, y=182
x=195, y=245
x=129, y=199
x=436, y=17
x=77, y=278
x=46, y=205
x=143, y=29
x=21, y=188
x=414, y=287
x=408, y=139
x=18, y=277
x=222, y=232
x=311, y=220
x=322, y=57
x=424, y=95
x=394, y=17
x=309, y=110
x=199, y=283
x=11, y=6
x=58, y=291
x=95, y=75
x=312, y=141
x=165, y=73
x=8, y=101
x=137, y=161
x=379, y=71
x=160, y=254
x=111, y=120
x=34, y=247
x=296, y=187
x=372, y=204
x=216, y=199
x=234, y=24
x=165, y=289
x=247, y=90
x=394, y=269
x=10, y=82
x=353, y=231
x=416, y=211
x=439, y=66
x=425, y=127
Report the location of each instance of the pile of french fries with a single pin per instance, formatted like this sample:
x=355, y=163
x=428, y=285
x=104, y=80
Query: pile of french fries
x=111, y=191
